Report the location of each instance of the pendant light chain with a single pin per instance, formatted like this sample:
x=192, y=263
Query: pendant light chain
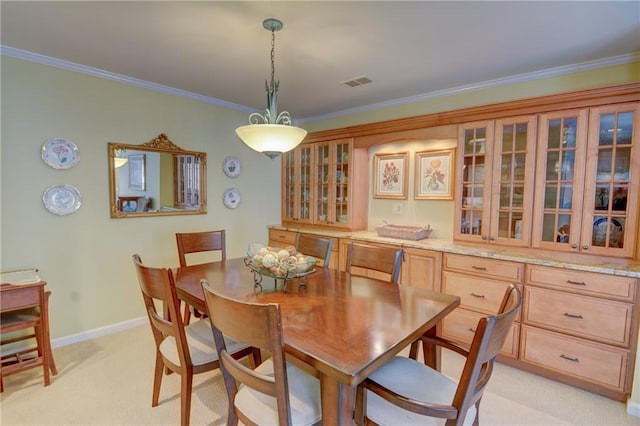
x=273, y=49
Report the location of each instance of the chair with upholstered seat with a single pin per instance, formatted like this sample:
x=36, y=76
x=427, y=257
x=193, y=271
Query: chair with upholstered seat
x=387, y=260
x=275, y=392
x=405, y=391
x=313, y=245
x=199, y=242
x=186, y=350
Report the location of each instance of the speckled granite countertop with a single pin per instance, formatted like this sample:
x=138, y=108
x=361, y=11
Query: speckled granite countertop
x=603, y=265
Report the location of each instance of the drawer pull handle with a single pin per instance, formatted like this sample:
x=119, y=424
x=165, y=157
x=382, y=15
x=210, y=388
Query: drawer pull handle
x=567, y=314
x=576, y=282
x=473, y=330
x=480, y=296
x=479, y=268
x=569, y=358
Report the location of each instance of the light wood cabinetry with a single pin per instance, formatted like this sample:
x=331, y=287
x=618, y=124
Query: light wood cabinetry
x=281, y=238
x=325, y=184
x=586, y=184
x=494, y=194
x=421, y=268
x=580, y=328
x=481, y=284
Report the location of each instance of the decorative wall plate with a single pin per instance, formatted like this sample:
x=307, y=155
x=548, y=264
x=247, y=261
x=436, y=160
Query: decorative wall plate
x=231, y=167
x=62, y=199
x=231, y=198
x=60, y=153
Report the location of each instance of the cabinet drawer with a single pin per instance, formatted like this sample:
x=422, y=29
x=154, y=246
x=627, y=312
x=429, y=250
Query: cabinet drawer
x=282, y=238
x=460, y=326
x=591, y=361
x=478, y=294
x=603, y=320
x=583, y=282
x=508, y=271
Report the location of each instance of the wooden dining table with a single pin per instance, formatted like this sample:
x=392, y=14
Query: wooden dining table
x=340, y=326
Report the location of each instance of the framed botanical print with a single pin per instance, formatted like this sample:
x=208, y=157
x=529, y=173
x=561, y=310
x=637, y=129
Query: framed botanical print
x=137, y=172
x=390, y=174
x=434, y=175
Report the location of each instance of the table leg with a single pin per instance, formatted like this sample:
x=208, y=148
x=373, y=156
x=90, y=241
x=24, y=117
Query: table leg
x=431, y=352
x=337, y=401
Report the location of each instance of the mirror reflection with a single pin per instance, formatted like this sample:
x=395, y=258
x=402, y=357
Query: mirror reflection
x=156, y=178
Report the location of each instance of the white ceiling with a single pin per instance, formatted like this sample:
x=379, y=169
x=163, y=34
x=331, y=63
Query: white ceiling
x=409, y=49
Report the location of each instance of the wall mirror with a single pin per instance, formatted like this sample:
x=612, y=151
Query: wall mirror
x=156, y=178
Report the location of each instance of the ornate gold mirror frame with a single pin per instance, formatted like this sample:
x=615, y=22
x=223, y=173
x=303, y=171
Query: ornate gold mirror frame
x=156, y=178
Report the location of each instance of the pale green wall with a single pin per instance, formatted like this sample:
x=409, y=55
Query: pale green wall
x=86, y=256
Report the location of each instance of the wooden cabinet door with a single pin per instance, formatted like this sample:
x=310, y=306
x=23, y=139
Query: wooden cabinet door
x=473, y=177
x=612, y=180
x=494, y=193
x=512, y=181
x=559, y=180
x=297, y=185
x=421, y=268
x=333, y=183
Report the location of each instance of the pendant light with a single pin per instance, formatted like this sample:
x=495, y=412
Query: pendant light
x=271, y=133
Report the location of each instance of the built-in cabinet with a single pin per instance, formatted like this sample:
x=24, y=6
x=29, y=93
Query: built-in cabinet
x=481, y=285
x=325, y=184
x=581, y=328
x=578, y=192
x=494, y=197
x=587, y=188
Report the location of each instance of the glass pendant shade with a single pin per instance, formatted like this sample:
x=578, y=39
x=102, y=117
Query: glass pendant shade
x=271, y=139
x=271, y=133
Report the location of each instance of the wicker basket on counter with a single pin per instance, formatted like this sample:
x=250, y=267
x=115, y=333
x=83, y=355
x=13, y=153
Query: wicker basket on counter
x=404, y=232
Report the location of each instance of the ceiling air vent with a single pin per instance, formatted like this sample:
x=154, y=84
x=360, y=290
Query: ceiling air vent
x=358, y=81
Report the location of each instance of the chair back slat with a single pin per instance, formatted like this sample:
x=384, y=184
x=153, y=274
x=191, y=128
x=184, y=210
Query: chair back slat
x=313, y=245
x=382, y=259
x=491, y=334
x=197, y=242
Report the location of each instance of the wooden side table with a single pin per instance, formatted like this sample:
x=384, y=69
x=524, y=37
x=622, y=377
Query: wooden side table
x=24, y=307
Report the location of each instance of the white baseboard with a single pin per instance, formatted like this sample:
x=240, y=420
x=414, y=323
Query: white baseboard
x=633, y=408
x=98, y=332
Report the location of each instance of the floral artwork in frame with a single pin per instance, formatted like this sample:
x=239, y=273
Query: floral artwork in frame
x=390, y=171
x=434, y=175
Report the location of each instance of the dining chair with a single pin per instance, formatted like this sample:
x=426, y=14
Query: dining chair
x=275, y=392
x=313, y=245
x=382, y=259
x=185, y=350
x=405, y=391
x=25, y=334
x=199, y=242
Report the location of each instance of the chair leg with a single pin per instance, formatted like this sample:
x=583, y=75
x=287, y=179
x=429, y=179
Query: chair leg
x=186, y=387
x=361, y=400
x=157, y=380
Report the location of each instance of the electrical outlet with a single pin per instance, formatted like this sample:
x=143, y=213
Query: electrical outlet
x=396, y=208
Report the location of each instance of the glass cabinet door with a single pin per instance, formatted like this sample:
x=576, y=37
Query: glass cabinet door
x=611, y=193
x=560, y=176
x=323, y=180
x=297, y=175
x=473, y=194
x=512, y=181
x=342, y=153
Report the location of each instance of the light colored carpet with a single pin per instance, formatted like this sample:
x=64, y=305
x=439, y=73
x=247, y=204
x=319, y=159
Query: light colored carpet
x=108, y=381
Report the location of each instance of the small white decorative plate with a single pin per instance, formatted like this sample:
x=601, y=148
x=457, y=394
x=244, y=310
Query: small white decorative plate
x=231, y=198
x=231, y=167
x=62, y=199
x=60, y=153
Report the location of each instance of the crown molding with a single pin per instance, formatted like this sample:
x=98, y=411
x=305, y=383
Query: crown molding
x=95, y=72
